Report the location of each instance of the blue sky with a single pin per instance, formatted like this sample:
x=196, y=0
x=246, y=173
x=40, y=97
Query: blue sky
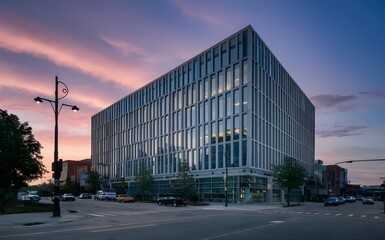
x=103, y=50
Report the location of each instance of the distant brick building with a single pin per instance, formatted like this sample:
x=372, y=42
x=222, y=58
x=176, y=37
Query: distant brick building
x=336, y=180
x=74, y=168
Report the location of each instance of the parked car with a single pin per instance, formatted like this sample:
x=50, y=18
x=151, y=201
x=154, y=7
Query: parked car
x=85, y=196
x=341, y=200
x=350, y=199
x=173, y=201
x=31, y=197
x=368, y=201
x=332, y=201
x=359, y=198
x=105, y=196
x=67, y=197
x=125, y=198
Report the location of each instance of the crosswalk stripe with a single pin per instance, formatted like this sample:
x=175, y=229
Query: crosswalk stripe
x=376, y=217
x=95, y=215
x=350, y=215
x=363, y=216
x=338, y=214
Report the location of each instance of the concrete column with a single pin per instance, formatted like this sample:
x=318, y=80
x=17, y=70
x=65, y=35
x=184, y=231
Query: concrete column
x=269, y=190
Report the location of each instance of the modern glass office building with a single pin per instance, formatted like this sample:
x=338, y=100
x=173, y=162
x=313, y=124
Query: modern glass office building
x=233, y=103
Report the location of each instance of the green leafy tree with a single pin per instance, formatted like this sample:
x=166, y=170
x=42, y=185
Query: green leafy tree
x=19, y=153
x=145, y=181
x=289, y=176
x=92, y=182
x=69, y=186
x=184, y=181
x=123, y=185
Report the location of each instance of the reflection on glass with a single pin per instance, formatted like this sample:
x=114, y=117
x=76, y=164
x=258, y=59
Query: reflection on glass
x=236, y=127
x=236, y=102
x=220, y=156
x=221, y=131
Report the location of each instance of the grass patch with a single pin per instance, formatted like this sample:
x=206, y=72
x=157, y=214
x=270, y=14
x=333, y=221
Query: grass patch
x=16, y=207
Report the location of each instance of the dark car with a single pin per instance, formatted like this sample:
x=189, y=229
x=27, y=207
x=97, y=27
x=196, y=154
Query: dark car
x=172, y=201
x=341, y=200
x=85, y=196
x=368, y=201
x=332, y=201
x=67, y=197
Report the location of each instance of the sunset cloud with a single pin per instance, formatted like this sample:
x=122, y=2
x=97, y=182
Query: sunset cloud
x=340, y=131
x=72, y=54
x=329, y=100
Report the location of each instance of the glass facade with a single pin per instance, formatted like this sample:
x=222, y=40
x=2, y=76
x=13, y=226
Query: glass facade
x=234, y=102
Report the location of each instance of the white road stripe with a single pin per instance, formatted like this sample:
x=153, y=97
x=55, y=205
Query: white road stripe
x=350, y=215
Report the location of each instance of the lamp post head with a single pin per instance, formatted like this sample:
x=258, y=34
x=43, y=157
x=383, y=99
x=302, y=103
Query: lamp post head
x=75, y=108
x=38, y=100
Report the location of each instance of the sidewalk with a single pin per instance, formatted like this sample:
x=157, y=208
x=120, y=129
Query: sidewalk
x=30, y=219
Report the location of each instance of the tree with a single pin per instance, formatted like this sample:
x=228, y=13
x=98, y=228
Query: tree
x=184, y=181
x=289, y=176
x=123, y=185
x=92, y=182
x=145, y=181
x=19, y=153
x=69, y=186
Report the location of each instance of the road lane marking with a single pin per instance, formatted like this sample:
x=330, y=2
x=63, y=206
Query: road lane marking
x=122, y=228
x=338, y=214
x=327, y=214
x=350, y=215
x=376, y=217
x=95, y=215
x=363, y=216
x=271, y=223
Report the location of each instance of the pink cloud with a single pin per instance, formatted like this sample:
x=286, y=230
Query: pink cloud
x=62, y=51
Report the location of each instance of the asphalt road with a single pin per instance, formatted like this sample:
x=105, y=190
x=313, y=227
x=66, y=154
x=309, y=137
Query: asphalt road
x=111, y=220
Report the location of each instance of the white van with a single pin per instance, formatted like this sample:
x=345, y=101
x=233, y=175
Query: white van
x=105, y=196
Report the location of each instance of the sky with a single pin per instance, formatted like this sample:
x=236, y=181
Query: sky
x=104, y=50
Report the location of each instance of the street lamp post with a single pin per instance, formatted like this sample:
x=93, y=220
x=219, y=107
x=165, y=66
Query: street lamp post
x=57, y=165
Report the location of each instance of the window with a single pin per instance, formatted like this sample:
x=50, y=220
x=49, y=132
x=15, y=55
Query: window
x=221, y=106
x=209, y=63
x=229, y=78
x=213, y=109
x=220, y=156
x=221, y=82
x=244, y=125
x=236, y=75
x=229, y=104
x=245, y=99
x=245, y=71
x=213, y=133
x=220, y=131
x=228, y=129
x=213, y=157
x=236, y=102
x=213, y=85
x=233, y=56
x=224, y=54
x=236, y=127
x=216, y=58
x=236, y=154
x=207, y=88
